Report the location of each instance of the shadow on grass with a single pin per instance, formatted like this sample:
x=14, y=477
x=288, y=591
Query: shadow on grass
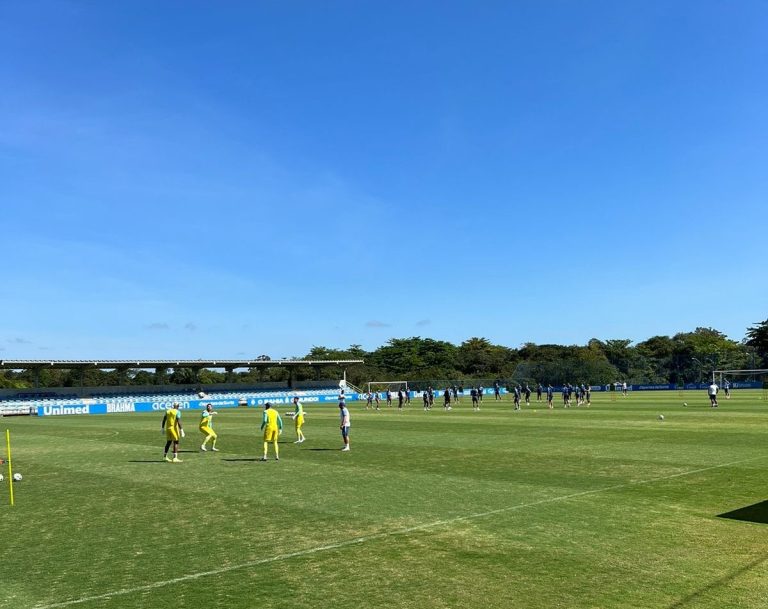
x=147, y=461
x=757, y=512
x=692, y=598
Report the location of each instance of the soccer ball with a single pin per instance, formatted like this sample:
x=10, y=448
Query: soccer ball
x=685, y=403
x=661, y=417
x=17, y=477
x=1, y=478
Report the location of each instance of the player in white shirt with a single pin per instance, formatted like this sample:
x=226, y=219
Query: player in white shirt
x=712, y=391
x=344, y=424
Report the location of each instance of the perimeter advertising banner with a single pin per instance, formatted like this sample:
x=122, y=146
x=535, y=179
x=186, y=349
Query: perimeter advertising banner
x=128, y=405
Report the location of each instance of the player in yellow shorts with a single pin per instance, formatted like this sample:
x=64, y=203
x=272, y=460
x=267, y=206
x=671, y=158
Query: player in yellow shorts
x=206, y=428
x=298, y=420
x=171, y=427
x=272, y=425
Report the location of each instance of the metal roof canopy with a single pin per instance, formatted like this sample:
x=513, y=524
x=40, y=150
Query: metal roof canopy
x=15, y=364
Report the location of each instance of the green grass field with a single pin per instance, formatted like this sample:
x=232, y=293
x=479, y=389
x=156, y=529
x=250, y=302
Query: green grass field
x=606, y=507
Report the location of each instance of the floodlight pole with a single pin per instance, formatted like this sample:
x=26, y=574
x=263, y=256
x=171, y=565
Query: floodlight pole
x=701, y=366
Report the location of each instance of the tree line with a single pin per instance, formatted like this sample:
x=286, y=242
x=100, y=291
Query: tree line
x=682, y=358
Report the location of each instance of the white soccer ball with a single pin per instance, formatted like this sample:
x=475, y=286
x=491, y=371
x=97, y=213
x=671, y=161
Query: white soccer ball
x=661, y=417
x=685, y=403
x=17, y=477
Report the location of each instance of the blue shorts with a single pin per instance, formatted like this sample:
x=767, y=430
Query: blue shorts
x=345, y=431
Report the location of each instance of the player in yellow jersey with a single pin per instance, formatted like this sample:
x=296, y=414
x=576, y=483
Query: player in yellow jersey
x=206, y=428
x=171, y=427
x=298, y=420
x=272, y=425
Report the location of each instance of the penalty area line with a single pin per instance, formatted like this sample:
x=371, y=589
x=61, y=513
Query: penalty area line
x=377, y=536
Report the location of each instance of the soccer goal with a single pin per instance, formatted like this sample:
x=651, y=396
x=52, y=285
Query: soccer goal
x=728, y=380
x=382, y=386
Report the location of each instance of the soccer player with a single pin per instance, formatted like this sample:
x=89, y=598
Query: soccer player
x=624, y=389
x=376, y=399
x=712, y=391
x=539, y=390
x=496, y=390
x=272, y=425
x=400, y=399
x=550, y=396
x=171, y=427
x=447, y=399
x=389, y=397
x=480, y=391
x=369, y=401
x=527, y=395
x=298, y=418
x=727, y=389
x=344, y=426
x=516, y=396
x=425, y=397
x=588, y=393
x=566, y=396
x=206, y=428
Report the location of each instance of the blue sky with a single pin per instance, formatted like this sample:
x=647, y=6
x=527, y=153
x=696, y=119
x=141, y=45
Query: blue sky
x=225, y=179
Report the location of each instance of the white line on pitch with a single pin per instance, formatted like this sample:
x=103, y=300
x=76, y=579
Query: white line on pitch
x=374, y=537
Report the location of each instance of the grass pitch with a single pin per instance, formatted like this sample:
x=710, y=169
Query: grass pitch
x=606, y=507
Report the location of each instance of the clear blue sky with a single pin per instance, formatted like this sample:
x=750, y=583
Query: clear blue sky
x=221, y=179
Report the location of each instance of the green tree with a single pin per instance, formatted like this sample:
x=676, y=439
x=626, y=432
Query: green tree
x=757, y=338
x=478, y=357
x=619, y=354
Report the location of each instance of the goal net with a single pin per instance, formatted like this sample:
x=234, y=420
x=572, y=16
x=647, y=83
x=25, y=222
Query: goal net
x=383, y=386
x=754, y=379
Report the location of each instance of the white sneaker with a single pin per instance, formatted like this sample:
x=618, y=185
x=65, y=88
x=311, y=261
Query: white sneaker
x=345, y=449
x=214, y=449
x=202, y=447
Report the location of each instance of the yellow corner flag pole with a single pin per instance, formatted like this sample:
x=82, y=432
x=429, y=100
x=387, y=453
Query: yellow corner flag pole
x=10, y=469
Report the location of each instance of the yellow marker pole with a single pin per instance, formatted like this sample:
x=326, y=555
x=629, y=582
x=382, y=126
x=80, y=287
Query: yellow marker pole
x=10, y=468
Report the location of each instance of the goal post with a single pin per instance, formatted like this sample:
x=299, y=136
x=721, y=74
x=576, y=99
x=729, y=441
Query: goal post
x=756, y=378
x=394, y=386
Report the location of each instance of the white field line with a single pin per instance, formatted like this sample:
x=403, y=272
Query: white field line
x=374, y=537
